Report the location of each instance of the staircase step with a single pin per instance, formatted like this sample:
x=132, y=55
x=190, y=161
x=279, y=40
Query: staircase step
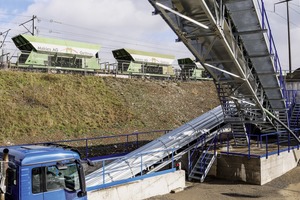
x=202, y=166
x=194, y=177
x=198, y=172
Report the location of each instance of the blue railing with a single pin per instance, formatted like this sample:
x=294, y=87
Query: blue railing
x=141, y=175
x=268, y=144
x=205, y=153
x=291, y=97
x=194, y=156
x=292, y=100
x=272, y=47
x=108, y=146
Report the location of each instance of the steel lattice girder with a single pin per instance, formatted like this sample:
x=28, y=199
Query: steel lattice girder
x=220, y=50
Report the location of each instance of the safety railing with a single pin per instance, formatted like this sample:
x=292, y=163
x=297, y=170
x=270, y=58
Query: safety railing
x=266, y=144
x=194, y=155
x=142, y=165
x=205, y=153
x=292, y=100
x=106, y=146
x=272, y=47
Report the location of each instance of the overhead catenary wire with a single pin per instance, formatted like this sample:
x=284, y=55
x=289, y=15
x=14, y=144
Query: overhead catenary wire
x=139, y=43
x=59, y=32
x=282, y=17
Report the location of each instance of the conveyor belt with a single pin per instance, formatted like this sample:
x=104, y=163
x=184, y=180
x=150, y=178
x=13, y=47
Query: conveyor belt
x=130, y=165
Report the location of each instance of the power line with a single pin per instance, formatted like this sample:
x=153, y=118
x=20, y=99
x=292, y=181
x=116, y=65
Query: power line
x=296, y=11
x=112, y=40
x=298, y=5
x=283, y=18
x=95, y=31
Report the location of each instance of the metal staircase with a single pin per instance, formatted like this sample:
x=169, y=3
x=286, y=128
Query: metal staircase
x=233, y=41
x=239, y=134
x=204, y=155
x=254, y=34
x=202, y=166
x=294, y=123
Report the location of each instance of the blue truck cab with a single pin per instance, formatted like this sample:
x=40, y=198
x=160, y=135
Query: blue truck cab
x=42, y=172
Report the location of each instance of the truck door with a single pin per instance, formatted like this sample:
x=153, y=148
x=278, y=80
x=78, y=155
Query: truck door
x=12, y=190
x=56, y=182
x=62, y=182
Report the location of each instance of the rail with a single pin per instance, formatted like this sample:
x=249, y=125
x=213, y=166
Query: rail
x=193, y=157
x=141, y=175
x=267, y=144
x=109, y=146
x=292, y=99
x=272, y=47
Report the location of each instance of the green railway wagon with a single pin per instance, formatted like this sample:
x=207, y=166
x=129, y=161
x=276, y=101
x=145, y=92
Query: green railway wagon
x=142, y=63
x=191, y=70
x=40, y=53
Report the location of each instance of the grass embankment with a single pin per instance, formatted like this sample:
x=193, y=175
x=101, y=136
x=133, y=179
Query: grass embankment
x=46, y=107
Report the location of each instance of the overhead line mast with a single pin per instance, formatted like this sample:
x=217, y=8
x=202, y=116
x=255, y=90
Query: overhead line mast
x=33, y=25
x=289, y=34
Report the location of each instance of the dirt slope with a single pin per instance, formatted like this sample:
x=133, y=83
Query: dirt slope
x=45, y=107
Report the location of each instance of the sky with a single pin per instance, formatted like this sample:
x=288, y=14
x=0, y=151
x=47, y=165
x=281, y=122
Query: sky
x=116, y=24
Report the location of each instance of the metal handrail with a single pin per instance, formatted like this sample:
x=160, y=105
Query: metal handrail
x=142, y=163
x=86, y=140
x=265, y=137
x=272, y=47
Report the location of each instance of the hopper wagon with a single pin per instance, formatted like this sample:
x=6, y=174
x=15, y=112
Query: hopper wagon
x=55, y=55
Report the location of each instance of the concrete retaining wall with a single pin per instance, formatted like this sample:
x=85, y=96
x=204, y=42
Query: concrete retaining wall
x=239, y=168
x=277, y=165
x=256, y=170
x=142, y=189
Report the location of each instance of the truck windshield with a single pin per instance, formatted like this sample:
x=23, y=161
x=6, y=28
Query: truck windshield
x=55, y=177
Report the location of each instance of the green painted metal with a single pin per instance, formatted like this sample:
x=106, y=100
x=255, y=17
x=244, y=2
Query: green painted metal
x=92, y=63
x=197, y=74
x=28, y=43
x=49, y=53
x=142, y=56
x=152, y=54
x=134, y=67
x=36, y=59
x=191, y=69
x=168, y=70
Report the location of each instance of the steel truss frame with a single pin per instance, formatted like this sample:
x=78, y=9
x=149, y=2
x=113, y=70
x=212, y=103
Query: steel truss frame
x=220, y=49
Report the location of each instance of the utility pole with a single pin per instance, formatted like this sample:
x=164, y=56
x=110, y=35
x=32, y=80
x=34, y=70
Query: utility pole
x=33, y=27
x=289, y=35
x=5, y=33
x=2, y=54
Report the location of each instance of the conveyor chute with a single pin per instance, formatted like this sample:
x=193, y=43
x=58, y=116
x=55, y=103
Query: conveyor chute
x=130, y=165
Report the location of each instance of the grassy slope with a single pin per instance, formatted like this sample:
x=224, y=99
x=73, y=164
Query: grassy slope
x=44, y=107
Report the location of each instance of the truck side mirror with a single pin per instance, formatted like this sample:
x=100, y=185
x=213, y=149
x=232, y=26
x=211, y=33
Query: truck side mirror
x=90, y=163
x=82, y=191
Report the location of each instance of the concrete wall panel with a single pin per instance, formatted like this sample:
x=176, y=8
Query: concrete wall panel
x=142, y=189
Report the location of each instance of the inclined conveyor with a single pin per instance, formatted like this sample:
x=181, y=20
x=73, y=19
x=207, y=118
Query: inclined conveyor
x=132, y=164
x=232, y=42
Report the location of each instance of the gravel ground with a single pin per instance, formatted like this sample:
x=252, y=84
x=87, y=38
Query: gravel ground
x=284, y=187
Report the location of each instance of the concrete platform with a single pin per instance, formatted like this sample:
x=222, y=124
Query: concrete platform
x=255, y=170
x=142, y=189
